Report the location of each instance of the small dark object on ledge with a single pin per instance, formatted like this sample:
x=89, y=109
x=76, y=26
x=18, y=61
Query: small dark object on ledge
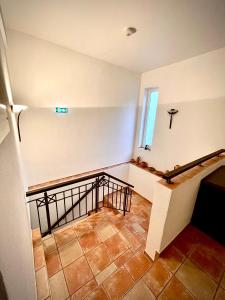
x=143, y=164
x=176, y=167
x=151, y=169
x=138, y=160
x=159, y=173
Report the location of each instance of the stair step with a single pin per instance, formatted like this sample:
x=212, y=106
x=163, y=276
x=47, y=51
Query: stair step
x=42, y=247
x=41, y=274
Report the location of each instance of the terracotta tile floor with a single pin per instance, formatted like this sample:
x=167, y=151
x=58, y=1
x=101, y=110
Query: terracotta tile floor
x=102, y=257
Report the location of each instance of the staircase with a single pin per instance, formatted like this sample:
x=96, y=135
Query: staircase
x=42, y=248
x=53, y=207
x=57, y=205
x=42, y=279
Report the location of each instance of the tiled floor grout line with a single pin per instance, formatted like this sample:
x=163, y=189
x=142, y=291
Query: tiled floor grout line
x=63, y=273
x=173, y=276
x=205, y=272
x=45, y=266
x=101, y=285
x=135, y=282
x=219, y=283
x=113, y=222
x=134, y=253
x=107, y=294
x=77, y=238
x=71, y=262
x=186, y=258
x=91, y=272
x=198, y=267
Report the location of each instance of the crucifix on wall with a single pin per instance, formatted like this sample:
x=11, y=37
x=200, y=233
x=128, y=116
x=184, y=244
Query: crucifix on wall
x=172, y=112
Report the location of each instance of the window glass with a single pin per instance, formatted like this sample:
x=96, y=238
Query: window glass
x=149, y=112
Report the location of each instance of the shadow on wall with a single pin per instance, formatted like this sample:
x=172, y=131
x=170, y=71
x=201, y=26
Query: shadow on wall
x=3, y=293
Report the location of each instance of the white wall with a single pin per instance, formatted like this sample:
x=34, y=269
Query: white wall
x=143, y=181
x=196, y=88
x=16, y=259
x=100, y=126
x=121, y=171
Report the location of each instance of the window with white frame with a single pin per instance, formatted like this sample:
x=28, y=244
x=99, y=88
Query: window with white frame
x=148, y=117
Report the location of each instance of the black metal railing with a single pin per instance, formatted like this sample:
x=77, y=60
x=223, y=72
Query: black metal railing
x=168, y=176
x=61, y=203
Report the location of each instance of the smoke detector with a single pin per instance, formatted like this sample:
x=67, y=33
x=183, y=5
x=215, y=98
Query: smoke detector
x=130, y=30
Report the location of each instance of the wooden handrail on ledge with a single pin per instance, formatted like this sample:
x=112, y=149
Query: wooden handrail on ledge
x=168, y=176
x=73, y=181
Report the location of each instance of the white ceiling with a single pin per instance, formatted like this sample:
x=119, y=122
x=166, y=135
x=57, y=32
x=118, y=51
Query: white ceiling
x=167, y=30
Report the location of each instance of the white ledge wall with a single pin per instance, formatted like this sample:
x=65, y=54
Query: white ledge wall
x=102, y=98
x=172, y=210
x=143, y=181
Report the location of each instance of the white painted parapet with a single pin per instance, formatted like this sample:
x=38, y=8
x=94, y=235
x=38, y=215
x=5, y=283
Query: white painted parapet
x=173, y=206
x=143, y=181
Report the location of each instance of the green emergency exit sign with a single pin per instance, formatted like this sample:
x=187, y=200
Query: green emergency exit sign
x=61, y=110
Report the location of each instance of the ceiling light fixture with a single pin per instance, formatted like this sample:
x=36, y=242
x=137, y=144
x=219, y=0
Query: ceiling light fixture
x=130, y=31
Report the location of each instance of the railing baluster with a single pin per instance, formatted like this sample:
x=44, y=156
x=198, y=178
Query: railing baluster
x=64, y=200
x=79, y=202
x=111, y=200
x=47, y=212
x=103, y=195
x=116, y=195
x=38, y=216
x=57, y=211
x=96, y=194
x=130, y=198
x=108, y=195
x=86, y=197
x=72, y=202
x=112, y=194
x=120, y=198
x=125, y=200
x=92, y=196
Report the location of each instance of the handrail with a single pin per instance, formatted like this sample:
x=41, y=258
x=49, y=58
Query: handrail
x=77, y=180
x=168, y=176
x=58, y=206
x=124, y=182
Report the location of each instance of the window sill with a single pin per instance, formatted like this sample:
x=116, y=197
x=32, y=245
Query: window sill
x=148, y=148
